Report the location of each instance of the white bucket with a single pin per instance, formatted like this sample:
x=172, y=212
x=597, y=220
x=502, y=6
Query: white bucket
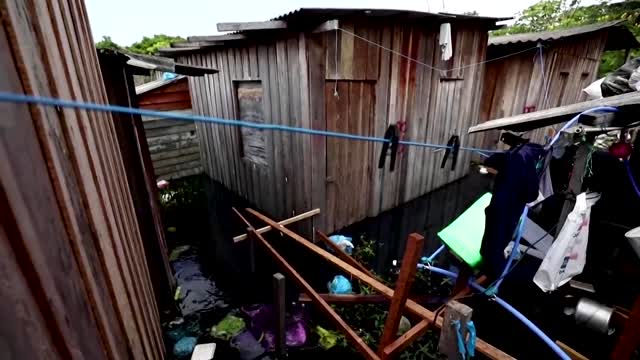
x=634, y=239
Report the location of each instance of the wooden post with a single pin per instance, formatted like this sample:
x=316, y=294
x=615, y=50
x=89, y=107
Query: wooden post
x=279, y=305
x=252, y=247
x=575, y=182
x=408, y=268
x=448, y=344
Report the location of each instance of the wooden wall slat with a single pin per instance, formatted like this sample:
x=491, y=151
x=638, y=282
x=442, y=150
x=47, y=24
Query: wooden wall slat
x=512, y=83
x=72, y=224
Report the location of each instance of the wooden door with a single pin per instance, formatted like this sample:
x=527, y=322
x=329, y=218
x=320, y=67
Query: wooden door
x=349, y=109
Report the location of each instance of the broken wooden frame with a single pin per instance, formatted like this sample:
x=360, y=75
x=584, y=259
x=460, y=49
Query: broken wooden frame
x=288, y=221
x=388, y=351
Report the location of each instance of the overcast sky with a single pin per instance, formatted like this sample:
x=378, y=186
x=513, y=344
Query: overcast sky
x=127, y=21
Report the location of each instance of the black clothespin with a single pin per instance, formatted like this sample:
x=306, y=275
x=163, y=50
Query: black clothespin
x=392, y=135
x=453, y=146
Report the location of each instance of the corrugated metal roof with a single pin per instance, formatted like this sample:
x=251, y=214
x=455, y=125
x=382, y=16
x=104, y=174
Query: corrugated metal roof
x=620, y=38
x=304, y=15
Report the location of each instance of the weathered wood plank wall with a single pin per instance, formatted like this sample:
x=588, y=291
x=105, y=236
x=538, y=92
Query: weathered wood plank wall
x=514, y=85
x=300, y=74
x=280, y=67
x=74, y=274
x=174, y=145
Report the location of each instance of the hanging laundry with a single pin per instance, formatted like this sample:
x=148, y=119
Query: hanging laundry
x=445, y=41
x=516, y=184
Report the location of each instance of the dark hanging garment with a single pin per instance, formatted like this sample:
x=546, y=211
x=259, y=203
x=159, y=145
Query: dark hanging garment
x=516, y=184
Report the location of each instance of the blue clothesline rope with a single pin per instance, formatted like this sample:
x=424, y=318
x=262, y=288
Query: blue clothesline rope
x=49, y=101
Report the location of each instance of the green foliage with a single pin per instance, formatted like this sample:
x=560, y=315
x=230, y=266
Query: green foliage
x=107, y=43
x=150, y=46
x=368, y=319
x=146, y=46
x=559, y=14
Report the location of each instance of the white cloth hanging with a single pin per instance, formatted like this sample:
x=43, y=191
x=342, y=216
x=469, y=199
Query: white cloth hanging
x=445, y=41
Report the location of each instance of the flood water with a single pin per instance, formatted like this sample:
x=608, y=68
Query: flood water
x=229, y=264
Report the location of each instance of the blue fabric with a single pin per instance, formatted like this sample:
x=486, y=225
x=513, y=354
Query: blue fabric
x=459, y=338
x=471, y=343
x=516, y=184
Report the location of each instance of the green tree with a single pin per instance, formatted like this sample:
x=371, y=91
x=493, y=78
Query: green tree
x=559, y=14
x=150, y=46
x=107, y=43
x=146, y=46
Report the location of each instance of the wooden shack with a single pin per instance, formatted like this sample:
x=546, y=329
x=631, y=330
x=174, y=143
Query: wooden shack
x=174, y=146
x=348, y=70
x=545, y=77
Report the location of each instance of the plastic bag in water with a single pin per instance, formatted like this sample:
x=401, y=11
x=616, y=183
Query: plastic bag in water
x=184, y=347
x=228, y=327
x=343, y=242
x=340, y=285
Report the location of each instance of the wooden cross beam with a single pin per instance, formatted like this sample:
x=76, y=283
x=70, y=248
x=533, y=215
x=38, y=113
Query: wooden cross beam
x=411, y=306
x=351, y=335
x=288, y=221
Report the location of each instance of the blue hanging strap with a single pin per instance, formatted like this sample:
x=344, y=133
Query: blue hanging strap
x=471, y=344
x=460, y=339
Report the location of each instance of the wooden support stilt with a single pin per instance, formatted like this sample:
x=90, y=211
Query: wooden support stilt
x=448, y=344
x=412, y=253
x=413, y=307
x=280, y=310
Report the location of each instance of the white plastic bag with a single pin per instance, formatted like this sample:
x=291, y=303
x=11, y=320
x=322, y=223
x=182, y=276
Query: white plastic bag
x=594, y=91
x=567, y=255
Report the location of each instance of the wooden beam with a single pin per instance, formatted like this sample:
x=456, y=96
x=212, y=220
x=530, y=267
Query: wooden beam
x=558, y=114
x=279, y=306
x=252, y=25
x=322, y=305
x=408, y=268
x=288, y=221
x=393, y=349
x=347, y=298
x=327, y=26
x=228, y=37
x=413, y=307
x=343, y=255
x=575, y=182
x=448, y=345
x=574, y=355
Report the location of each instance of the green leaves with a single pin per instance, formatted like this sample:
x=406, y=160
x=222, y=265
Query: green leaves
x=146, y=46
x=560, y=14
